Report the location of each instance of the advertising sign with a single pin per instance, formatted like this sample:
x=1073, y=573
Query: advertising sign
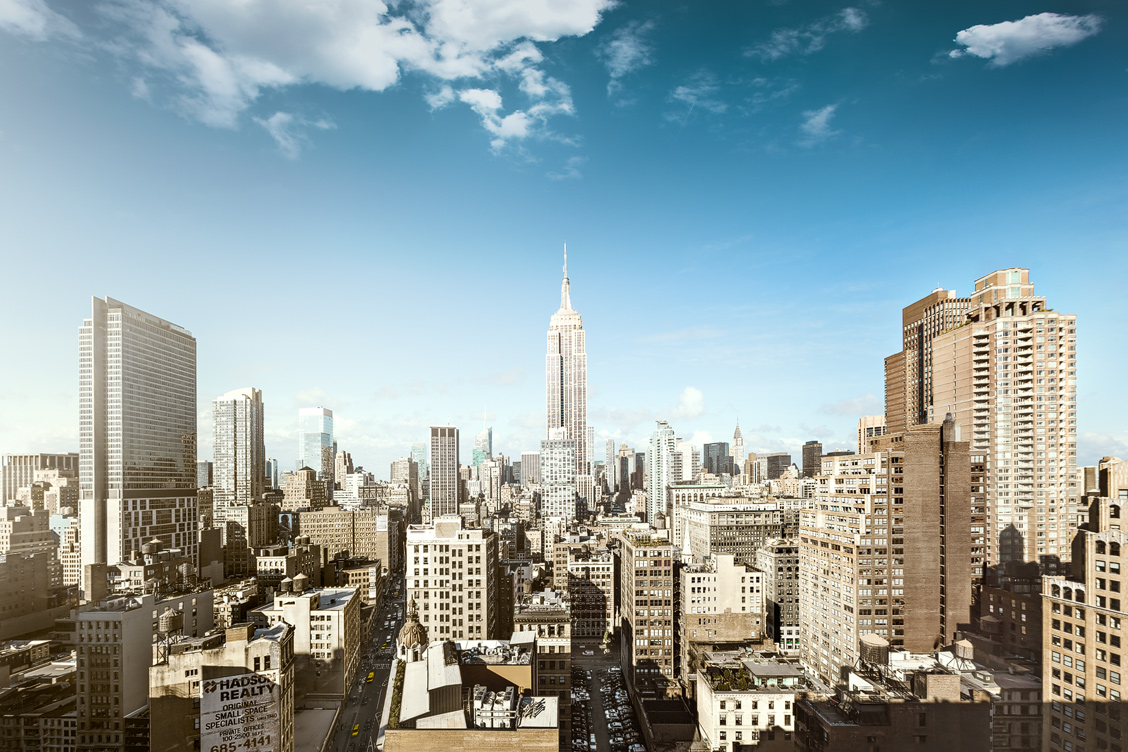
x=239, y=714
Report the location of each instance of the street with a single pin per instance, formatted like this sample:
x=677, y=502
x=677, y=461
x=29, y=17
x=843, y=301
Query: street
x=366, y=700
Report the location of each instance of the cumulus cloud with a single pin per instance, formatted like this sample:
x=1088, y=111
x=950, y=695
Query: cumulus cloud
x=34, y=20
x=811, y=38
x=625, y=52
x=289, y=131
x=691, y=404
x=816, y=126
x=867, y=404
x=213, y=59
x=1011, y=41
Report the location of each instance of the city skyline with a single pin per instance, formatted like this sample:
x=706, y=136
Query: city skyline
x=742, y=210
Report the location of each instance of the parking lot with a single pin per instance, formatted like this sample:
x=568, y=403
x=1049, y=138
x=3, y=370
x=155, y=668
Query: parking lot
x=603, y=719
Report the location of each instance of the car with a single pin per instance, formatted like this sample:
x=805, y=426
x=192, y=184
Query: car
x=356, y=730
x=371, y=676
x=589, y=652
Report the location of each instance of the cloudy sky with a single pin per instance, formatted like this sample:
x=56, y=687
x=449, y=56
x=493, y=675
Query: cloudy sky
x=363, y=205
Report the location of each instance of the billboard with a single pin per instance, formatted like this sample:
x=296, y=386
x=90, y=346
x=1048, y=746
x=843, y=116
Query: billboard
x=240, y=713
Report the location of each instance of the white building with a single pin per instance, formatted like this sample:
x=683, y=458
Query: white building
x=558, y=476
x=450, y=575
x=566, y=381
x=659, y=469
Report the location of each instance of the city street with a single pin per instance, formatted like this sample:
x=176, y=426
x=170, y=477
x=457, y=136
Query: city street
x=366, y=700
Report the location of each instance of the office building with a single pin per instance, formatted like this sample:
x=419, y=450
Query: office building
x=885, y=551
x=1009, y=378
x=137, y=433
x=659, y=469
x=717, y=459
x=114, y=642
x=443, y=461
x=549, y=615
x=869, y=427
x=739, y=527
x=812, y=458
x=778, y=559
x=769, y=465
x=737, y=451
x=315, y=441
x=189, y=670
x=566, y=380
x=647, y=594
x=909, y=373
x=303, y=490
x=530, y=469
x=610, y=462
x=451, y=575
x=240, y=454
x=363, y=533
x=721, y=604
x=1083, y=618
x=483, y=447
x=272, y=471
x=327, y=636
x=205, y=473
x=18, y=470
x=558, y=477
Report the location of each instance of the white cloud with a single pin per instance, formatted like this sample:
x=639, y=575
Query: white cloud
x=34, y=20
x=289, y=132
x=699, y=439
x=691, y=404
x=1092, y=447
x=1011, y=41
x=811, y=38
x=816, y=126
x=700, y=92
x=216, y=58
x=625, y=52
x=867, y=404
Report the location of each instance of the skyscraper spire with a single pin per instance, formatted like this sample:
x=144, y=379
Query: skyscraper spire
x=565, y=291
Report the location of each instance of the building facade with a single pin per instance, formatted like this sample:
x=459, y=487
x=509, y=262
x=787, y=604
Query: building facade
x=239, y=472
x=451, y=575
x=566, y=378
x=137, y=432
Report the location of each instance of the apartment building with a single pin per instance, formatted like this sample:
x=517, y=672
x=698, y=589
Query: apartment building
x=778, y=559
x=451, y=574
x=648, y=597
x=886, y=549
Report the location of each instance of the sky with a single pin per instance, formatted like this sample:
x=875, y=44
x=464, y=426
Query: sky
x=364, y=205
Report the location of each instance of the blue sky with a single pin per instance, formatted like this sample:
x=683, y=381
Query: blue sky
x=363, y=206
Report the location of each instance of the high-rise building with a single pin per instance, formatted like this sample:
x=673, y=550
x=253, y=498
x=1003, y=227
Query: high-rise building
x=869, y=427
x=778, y=559
x=304, y=491
x=18, y=470
x=483, y=446
x=240, y=454
x=443, y=460
x=659, y=469
x=610, y=462
x=908, y=377
x=1009, y=378
x=315, y=441
x=718, y=458
x=530, y=469
x=137, y=433
x=812, y=458
x=738, y=455
x=451, y=576
x=558, y=477
x=205, y=473
x=1083, y=617
x=272, y=470
x=884, y=553
x=566, y=379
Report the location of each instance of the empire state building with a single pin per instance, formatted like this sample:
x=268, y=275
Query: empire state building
x=566, y=382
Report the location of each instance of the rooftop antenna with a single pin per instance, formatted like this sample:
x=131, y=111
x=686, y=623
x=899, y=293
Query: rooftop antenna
x=565, y=258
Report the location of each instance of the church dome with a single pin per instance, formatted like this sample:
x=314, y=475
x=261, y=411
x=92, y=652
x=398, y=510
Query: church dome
x=412, y=633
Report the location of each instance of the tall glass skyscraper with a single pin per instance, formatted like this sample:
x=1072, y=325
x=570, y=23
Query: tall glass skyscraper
x=137, y=433
x=315, y=440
